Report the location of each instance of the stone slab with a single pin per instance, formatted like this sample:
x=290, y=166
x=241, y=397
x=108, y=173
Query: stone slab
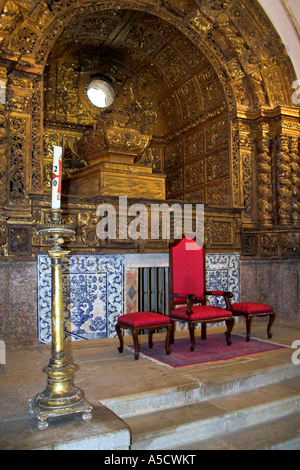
x=105, y=431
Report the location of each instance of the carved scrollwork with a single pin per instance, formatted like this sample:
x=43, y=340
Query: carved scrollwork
x=17, y=161
x=86, y=228
x=3, y=238
x=3, y=160
x=265, y=194
x=269, y=245
x=295, y=167
x=284, y=181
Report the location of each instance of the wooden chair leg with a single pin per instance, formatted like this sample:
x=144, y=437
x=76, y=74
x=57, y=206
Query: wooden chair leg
x=248, y=327
x=136, y=343
x=192, y=336
x=150, y=339
x=271, y=321
x=172, y=339
x=170, y=331
x=120, y=336
x=203, y=330
x=230, y=325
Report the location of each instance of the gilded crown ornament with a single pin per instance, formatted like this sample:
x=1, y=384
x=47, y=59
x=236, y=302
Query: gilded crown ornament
x=113, y=139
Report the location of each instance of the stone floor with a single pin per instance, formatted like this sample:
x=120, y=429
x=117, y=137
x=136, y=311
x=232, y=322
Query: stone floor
x=105, y=375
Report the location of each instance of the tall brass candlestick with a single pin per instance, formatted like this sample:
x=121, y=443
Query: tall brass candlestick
x=59, y=397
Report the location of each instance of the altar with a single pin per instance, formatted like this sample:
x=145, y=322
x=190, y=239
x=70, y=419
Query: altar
x=98, y=288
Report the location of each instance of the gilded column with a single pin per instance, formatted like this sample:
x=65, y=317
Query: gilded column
x=37, y=136
x=246, y=150
x=3, y=137
x=18, y=108
x=265, y=193
x=295, y=169
x=284, y=181
x=3, y=159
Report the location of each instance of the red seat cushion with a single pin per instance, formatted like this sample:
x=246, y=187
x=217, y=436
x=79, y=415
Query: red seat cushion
x=201, y=312
x=143, y=319
x=251, y=308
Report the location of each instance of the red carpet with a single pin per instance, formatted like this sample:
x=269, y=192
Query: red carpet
x=214, y=348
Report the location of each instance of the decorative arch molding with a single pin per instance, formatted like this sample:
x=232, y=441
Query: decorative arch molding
x=246, y=64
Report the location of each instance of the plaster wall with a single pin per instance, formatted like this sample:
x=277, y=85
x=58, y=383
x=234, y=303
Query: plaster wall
x=285, y=16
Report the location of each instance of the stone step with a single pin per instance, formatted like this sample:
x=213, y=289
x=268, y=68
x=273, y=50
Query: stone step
x=278, y=434
x=164, y=398
x=174, y=427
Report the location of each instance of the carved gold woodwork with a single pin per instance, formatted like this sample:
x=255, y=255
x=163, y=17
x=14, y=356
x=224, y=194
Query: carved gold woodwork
x=267, y=244
x=198, y=163
x=295, y=177
x=3, y=159
x=110, y=150
x=272, y=137
x=211, y=79
x=115, y=179
x=284, y=182
x=222, y=226
x=114, y=139
x=264, y=178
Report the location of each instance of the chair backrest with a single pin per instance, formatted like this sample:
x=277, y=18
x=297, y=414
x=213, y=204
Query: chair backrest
x=187, y=270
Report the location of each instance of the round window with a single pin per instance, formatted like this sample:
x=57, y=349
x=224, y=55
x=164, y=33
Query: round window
x=100, y=93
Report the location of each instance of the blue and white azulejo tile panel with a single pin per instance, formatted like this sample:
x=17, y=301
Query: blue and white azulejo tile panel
x=93, y=295
x=223, y=273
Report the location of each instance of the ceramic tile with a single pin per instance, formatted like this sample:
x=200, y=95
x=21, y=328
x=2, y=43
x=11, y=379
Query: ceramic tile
x=223, y=273
x=93, y=295
x=131, y=290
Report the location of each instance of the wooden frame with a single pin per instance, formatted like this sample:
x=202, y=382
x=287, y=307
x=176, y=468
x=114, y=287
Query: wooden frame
x=135, y=331
x=249, y=317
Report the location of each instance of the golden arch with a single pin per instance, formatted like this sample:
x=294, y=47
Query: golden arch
x=220, y=29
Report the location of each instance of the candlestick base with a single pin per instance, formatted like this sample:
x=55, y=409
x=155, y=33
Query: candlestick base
x=43, y=413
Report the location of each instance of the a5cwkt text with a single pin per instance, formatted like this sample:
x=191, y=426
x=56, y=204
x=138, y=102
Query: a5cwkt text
x=154, y=459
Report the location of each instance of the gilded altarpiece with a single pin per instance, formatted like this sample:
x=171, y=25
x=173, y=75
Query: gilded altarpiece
x=269, y=146
x=218, y=99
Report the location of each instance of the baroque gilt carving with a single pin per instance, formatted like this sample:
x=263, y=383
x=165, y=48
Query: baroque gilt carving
x=210, y=78
x=264, y=177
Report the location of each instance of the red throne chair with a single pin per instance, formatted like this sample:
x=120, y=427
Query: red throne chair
x=188, y=294
x=249, y=310
x=138, y=321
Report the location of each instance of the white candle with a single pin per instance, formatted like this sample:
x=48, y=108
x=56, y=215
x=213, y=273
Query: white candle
x=56, y=180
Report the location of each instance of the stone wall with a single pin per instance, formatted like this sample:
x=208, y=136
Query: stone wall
x=18, y=303
x=275, y=282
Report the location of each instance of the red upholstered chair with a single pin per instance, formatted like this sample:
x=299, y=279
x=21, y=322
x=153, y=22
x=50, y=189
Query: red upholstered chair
x=187, y=282
x=250, y=310
x=138, y=321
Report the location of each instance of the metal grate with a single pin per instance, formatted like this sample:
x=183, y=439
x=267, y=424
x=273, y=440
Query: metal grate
x=153, y=290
